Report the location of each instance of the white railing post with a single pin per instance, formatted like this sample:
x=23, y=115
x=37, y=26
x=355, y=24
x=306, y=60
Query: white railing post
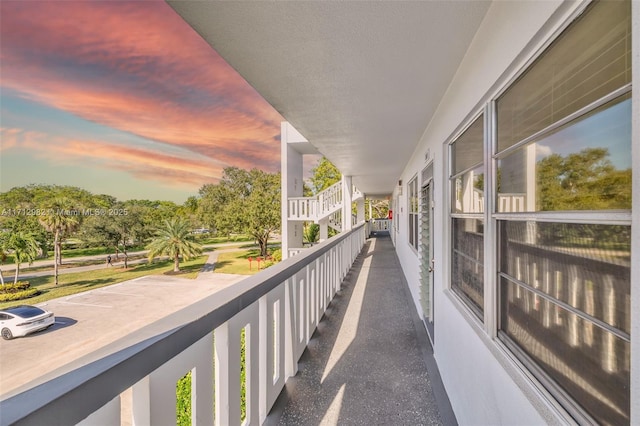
x=225, y=387
x=141, y=403
x=202, y=380
x=290, y=362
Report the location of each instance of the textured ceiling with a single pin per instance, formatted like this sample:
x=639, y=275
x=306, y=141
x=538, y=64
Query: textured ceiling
x=360, y=80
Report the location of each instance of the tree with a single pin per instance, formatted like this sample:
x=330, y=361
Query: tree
x=261, y=208
x=379, y=208
x=24, y=246
x=175, y=240
x=16, y=206
x=60, y=219
x=324, y=175
x=245, y=202
x=100, y=230
x=127, y=222
x=586, y=180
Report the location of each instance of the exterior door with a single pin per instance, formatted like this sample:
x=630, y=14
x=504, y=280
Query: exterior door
x=426, y=249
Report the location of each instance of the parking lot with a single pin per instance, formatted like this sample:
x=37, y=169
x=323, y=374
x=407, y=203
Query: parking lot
x=88, y=321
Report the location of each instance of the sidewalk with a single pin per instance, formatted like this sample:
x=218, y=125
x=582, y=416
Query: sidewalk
x=369, y=362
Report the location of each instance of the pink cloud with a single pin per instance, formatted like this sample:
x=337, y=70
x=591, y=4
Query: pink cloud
x=136, y=67
x=169, y=168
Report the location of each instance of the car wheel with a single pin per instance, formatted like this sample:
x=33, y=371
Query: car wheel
x=6, y=334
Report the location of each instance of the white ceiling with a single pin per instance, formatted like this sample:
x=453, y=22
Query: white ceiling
x=360, y=80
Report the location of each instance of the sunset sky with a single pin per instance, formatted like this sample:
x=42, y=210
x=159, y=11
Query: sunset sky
x=122, y=98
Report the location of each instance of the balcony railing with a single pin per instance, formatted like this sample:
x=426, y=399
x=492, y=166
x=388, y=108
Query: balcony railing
x=380, y=225
x=321, y=205
x=278, y=310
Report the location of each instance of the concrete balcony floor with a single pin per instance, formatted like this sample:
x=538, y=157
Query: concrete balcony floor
x=370, y=361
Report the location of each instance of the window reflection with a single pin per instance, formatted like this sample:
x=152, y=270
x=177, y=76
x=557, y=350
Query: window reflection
x=565, y=301
x=584, y=165
x=468, y=191
x=468, y=262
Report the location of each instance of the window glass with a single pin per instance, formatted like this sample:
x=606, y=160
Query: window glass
x=467, y=149
x=584, y=165
x=565, y=293
x=589, y=362
x=467, y=233
x=564, y=288
x=413, y=212
x=586, y=266
x=467, y=269
x=589, y=60
x=468, y=192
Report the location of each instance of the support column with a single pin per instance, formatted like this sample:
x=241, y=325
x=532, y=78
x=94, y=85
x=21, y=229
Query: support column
x=360, y=211
x=324, y=229
x=347, y=196
x=292, y=148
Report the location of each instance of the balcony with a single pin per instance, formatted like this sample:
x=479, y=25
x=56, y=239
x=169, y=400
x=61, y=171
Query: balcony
x=365, y=349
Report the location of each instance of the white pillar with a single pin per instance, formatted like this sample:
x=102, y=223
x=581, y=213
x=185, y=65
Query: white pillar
x=347, y=196
x=292, y=148
x=324, y=229
x=360, y=211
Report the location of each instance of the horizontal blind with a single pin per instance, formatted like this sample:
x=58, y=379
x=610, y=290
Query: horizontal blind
x=467, y=149
x=591, y=59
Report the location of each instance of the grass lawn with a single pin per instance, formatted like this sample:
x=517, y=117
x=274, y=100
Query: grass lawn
x=78, y=252
x=207, y=239
x=82, y=281
x=236, y=262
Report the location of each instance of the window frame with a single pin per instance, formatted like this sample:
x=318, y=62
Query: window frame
x=479, y=315
x=518, y=355
x=413, y=216
x=559, y=401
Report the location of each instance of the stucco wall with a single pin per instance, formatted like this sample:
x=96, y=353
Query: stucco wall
x=483, y=384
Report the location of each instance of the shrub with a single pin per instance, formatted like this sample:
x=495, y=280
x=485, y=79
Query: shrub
x=14, y=288
x=277, y=255
x=25, y=294
x=183, y=401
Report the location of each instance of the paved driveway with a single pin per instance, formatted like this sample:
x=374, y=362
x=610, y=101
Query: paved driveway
x=88, y=321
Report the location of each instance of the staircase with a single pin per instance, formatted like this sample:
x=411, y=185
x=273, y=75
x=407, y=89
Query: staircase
x=327, y=203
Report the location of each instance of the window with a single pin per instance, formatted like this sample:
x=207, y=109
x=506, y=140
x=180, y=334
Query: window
x=467, y=216
x=413, y=212
x=563, y=215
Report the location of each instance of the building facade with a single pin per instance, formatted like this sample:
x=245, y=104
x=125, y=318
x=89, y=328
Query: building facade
x=522, y=263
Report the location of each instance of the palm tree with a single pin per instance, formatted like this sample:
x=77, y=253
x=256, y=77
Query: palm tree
x=58, y=221
x=175, y=240
x=25, y=248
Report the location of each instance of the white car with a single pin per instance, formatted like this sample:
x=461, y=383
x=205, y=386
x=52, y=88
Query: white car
x=21, y=320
